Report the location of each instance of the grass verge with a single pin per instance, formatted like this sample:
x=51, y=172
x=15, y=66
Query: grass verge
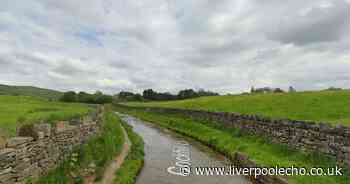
x=133, y=163
x=95, y=154
x=229, y=141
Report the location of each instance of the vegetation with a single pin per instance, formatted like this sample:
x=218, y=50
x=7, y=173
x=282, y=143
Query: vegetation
x=17, y=110
x=328, y=106
x=228, y=141
x=134, y=161
x=95, y=154
x=30, y=91
x=149, y=94
x=83, y=97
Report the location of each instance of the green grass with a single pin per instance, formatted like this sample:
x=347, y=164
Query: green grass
x=99, y=151
x=324, y=106
x=228, y=141
x=16, y=109
x=134, y=161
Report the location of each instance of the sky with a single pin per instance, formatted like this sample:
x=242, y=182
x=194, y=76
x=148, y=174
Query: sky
x=224, y=46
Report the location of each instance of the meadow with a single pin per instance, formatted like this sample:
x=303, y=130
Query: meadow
x=320, y=106
x=16, y=110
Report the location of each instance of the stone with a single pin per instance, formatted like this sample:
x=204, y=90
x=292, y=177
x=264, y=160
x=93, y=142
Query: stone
x=61, y=126
x=41, y=135
x=16, y=141
x=43, y=127
x=346, y=149
x=2, y=142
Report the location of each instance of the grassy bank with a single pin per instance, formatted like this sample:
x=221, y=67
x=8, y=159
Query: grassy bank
x=95, y=154
x=22, y=109
x=228, y=141
x=134, y=161
x=329, y=106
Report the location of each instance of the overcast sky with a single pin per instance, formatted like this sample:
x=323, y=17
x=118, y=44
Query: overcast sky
x=225, y=46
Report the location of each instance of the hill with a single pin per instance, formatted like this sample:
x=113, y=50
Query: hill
x=14, y=109
x=321, y=106
x=30, y=91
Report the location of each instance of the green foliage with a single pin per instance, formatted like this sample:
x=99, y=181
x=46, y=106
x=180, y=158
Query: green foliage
x=149, y=94
x=18, y=110
x=126, y=96
x=83, y=97
x=98, y=151
x=134, y=161
x=69, y=96
x=28, y=131
x=258, y=149
x=329, y=106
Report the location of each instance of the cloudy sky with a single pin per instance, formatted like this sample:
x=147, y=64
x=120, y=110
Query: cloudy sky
x=225, y=45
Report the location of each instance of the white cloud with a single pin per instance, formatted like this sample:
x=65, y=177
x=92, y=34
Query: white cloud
x=226, y=46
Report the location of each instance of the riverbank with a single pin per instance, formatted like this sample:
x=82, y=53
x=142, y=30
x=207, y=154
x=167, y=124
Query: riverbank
x=229, y=141
x=162, y=161
x=133, y=163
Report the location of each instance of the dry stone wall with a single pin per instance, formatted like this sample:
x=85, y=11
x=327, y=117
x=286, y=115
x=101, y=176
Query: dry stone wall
x=312, y=136
x=23, y=157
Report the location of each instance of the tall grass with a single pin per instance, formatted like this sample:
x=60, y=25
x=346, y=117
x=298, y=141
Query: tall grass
x=134, y=161
x=98, y=151
x=329, y=106
x=229, y=141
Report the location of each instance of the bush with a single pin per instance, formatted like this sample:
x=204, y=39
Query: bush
x=27, y=130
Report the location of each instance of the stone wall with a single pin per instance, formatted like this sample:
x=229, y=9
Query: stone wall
x=312, y=136
x=242, y=161
x=24, y=157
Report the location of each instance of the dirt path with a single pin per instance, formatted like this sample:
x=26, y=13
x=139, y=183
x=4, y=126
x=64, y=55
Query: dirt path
x=115, y=164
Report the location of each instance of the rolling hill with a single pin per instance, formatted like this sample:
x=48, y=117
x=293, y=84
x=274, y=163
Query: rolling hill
x=30, y=91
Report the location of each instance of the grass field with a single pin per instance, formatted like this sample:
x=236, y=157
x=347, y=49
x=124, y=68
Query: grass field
x=228, y=141
x=15, y=109
x=323, y=106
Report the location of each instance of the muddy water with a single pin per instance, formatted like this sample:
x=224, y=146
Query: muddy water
x=163, y=149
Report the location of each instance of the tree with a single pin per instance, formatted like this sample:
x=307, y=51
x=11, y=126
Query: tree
x=69, y=96
x=149, y=94
x=187, y=93
x=85, y=97
x=278, y=90
x=252, y=89
x=291, y=89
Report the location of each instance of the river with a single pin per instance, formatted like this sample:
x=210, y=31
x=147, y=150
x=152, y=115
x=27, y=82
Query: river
x=167, y=152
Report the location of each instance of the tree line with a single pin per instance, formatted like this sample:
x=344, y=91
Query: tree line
x=83, y=97
x=147, y=95
x=151, y=95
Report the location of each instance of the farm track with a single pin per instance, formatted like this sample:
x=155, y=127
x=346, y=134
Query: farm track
x=109, y=174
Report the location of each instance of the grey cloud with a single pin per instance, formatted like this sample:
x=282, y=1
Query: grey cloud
x=318, y=25
x=226, y=46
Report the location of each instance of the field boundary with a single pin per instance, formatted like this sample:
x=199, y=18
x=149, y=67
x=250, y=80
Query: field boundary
x=44, y=147
x=310, y=136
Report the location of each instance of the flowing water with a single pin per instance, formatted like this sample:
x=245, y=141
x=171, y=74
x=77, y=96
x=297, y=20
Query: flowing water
x=163, y=149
